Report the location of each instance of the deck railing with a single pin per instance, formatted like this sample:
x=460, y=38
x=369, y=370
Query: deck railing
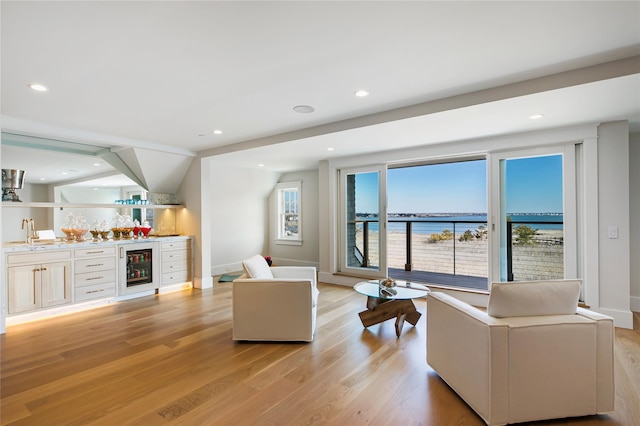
x=460, y=247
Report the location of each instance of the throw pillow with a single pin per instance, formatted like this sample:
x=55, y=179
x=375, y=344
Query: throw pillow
x=531, y=298
x=256, y=267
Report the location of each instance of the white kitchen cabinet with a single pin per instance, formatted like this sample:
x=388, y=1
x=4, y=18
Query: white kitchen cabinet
x=95, y=273
x=176, y=262
x=34, y=283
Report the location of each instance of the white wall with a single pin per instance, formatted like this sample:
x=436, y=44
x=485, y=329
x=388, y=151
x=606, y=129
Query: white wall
x=634, y=202
x=194, y=194
x=12, y=216
x=613, y=205
x=239, y=213
x=308, y=253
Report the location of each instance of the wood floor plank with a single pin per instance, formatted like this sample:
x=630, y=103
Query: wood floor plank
x=170, y=359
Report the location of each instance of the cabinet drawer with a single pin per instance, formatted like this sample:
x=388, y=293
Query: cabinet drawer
x=95, y=251
x=175, y=277
x=97, y=277
x=173, y=255
x=173, y=245
x=95, y=291
x=175, y=266
x=95, y=264
x=38, y=257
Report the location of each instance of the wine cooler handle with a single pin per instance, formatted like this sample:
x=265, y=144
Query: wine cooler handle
x=121, y=252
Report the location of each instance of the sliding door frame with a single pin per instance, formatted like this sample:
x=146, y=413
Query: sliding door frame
x=343, y=267
x=571, y=244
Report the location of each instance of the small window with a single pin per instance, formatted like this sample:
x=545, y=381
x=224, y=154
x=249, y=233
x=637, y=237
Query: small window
x=289, y=215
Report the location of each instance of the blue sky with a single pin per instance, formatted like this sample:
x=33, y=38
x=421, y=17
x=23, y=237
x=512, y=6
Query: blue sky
x=534, y=185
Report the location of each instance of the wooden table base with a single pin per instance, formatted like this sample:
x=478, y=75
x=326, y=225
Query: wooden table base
x=379, y=310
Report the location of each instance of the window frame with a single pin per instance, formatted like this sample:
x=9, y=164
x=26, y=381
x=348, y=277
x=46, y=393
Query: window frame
x=280, y=189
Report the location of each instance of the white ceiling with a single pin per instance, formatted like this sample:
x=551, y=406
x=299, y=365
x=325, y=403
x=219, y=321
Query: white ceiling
x=164, y=75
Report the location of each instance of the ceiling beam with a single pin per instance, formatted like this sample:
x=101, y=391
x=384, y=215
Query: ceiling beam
x=585, y=75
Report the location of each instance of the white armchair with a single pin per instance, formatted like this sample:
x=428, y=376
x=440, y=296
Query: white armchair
x=274, y=304
x=534, y=355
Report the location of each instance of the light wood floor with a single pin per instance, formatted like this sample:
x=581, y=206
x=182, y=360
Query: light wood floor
x=170, y=359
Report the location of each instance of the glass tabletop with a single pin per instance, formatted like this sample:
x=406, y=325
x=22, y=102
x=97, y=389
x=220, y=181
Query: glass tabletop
x=403, y=290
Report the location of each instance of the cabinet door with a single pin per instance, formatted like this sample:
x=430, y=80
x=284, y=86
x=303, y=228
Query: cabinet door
x=56, y=283
x=24, y=288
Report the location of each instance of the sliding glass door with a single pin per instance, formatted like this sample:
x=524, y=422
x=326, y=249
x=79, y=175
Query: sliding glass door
x=527, y=232
x=536, y=225
x=363, y=225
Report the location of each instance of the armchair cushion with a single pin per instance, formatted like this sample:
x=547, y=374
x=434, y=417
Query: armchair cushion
x=533, y=298
x=257, y=267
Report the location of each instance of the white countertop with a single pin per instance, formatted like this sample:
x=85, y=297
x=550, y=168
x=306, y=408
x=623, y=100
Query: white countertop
x=15, y=247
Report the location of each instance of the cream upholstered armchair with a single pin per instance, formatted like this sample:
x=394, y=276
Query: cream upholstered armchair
x=534, y=354
x=274, y=304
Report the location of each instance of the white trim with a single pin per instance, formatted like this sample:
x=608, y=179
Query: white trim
x=635, y=303
x=381, y=271
x=590, y=225
x=497, y=206
x=570, y=212
x=288, y=242
x=226, y=269
x=621, y=319
x=281, y=187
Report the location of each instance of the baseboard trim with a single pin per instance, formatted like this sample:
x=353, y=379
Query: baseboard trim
x=635, y=303
x=622, y=319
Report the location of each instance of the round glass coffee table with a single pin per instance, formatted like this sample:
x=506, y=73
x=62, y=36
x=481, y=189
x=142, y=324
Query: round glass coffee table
x=386, y=303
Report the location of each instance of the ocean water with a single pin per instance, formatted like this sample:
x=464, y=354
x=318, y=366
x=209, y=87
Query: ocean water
x=437, y=224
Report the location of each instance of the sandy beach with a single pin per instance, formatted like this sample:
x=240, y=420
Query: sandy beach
x=542, y=260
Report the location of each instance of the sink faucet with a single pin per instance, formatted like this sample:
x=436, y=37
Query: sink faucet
x=31, y=230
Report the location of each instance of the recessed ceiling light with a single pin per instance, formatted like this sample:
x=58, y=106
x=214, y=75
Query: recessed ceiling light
x=217, y=132
x=330, y=149
x=536, y=116
x=260, y=165
x=303, y=109
x=362, y=93
x=95, y=189
x=65, y=173
x=43, y=178
x=96, y=164
x=38, y=87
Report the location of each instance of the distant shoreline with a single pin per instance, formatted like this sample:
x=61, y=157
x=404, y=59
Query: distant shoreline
x=462, y=214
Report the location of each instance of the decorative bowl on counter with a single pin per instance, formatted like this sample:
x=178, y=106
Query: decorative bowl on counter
x=69, y=233
x=116, y=233
x=80, y=233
